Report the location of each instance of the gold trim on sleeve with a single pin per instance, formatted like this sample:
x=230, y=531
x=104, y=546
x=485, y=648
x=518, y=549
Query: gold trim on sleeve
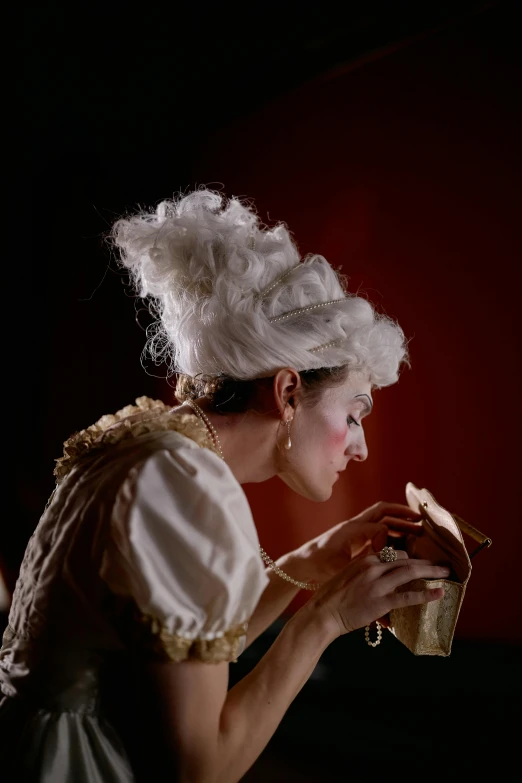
x=176, y=648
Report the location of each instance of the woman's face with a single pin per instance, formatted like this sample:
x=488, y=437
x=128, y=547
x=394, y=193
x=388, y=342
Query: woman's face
x=325, y=438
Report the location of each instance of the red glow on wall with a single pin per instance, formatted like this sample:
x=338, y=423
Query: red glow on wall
x=403, y=173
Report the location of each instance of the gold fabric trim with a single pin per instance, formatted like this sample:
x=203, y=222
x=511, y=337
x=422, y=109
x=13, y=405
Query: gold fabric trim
x=173, y=647
x=146, y=416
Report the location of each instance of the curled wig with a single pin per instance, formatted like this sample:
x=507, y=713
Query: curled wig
x=212, y=273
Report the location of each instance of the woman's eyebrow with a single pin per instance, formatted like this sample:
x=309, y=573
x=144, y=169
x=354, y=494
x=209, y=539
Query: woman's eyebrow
x=368, y=405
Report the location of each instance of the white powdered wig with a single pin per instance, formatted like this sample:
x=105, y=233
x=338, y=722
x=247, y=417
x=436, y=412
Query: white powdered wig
x=203, y=260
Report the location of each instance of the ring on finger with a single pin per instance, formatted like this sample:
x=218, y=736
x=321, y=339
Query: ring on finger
x=387, y=555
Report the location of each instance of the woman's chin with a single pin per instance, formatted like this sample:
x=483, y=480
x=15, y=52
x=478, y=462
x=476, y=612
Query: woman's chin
x=309, y=487
x=320, y=495
x=315, y=492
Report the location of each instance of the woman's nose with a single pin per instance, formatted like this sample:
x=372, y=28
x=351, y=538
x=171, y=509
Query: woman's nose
x=359, y=449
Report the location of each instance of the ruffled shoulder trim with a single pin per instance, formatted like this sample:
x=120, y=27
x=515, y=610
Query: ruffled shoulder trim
x=146, y=416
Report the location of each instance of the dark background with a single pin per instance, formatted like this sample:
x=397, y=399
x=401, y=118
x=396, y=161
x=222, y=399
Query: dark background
x=387, y=136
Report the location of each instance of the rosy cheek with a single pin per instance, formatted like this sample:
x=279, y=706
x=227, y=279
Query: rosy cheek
x=337, y=439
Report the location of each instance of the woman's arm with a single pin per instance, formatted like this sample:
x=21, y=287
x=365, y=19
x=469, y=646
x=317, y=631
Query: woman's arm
x=276, y=596
x=216, y=736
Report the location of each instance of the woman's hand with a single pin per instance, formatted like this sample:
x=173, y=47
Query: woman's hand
x=366, y=590
x=323, y=557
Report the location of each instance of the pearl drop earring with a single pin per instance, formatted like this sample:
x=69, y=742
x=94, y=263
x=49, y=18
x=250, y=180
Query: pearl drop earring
x=288, y=444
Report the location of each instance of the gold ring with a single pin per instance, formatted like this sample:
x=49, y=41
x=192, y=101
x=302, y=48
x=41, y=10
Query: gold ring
x=387, y=555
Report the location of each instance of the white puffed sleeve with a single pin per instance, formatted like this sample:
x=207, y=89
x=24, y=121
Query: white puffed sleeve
x=184, y=547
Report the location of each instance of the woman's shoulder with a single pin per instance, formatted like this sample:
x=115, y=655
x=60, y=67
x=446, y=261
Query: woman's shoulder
x=133, y=426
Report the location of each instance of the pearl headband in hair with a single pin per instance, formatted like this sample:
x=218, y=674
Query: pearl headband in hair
x=274, y=319
x=262, y=294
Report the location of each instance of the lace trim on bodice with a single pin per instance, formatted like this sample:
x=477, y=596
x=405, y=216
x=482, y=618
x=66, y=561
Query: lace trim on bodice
x=146, y=416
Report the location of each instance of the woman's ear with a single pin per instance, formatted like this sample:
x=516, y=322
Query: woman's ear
x=287, y=385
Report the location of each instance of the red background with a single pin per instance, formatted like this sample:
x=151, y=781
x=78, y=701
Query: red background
x=404, y=171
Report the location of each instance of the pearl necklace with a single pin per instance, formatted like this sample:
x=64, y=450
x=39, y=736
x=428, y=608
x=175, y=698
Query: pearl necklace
x=266, y=558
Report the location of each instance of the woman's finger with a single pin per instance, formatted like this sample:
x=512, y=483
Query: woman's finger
x=401, y=526
x=410, y=545
x=397, y=510
x=408, y=570
x=357, y=535
x=378, y=537
x=413, y=597
x=417, y=561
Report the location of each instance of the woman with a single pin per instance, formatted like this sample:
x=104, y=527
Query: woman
x=145, y=577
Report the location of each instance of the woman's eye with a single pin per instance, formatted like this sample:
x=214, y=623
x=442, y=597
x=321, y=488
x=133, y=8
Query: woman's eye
x=351, y=420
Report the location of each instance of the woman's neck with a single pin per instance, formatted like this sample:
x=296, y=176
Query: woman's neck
x=247, y=440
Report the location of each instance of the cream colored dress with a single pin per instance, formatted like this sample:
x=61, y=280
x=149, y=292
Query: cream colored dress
x=147, y=548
